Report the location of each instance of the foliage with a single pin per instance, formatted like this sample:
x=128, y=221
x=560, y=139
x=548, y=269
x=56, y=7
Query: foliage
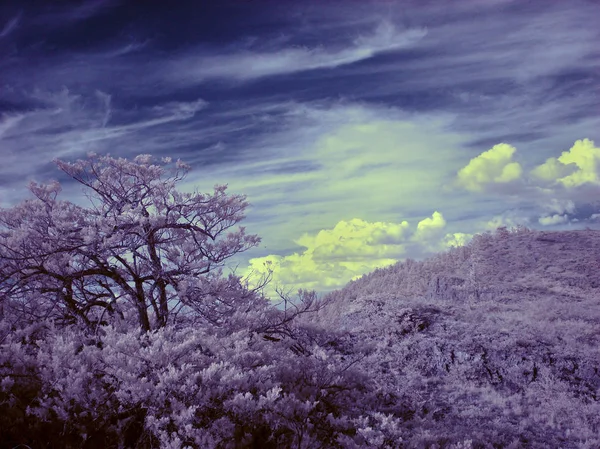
x=119, y=330
x=507, y=358
x=142, y=245
x=182, y=388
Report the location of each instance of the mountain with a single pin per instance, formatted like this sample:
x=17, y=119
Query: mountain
x=494, y=344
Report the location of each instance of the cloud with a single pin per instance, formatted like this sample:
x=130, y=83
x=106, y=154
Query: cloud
x=551, y=170
x=246, y=65
x=457, y=239
x=105, y=99
x=553, y=220
x=494, y=166
x=10, y=26
x=65, y=125
x=332, y=257
x=430, y=227
x=431, y=236
x=510, y=218
x=555, y=188
x=355, y=238
x=126, y=49
x=8, y=122
x=334, y=161
x=560, y=206
x=558, y=211
x=507, y=78
x=578, y=166
x=88, y=9
x=386, y=117
x=329, y=162
x=58, y=16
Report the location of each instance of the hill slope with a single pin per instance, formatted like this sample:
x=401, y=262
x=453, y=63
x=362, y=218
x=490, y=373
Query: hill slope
x=497, y=342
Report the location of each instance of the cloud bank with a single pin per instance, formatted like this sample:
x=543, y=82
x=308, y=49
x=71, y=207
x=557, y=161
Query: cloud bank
x=332, y=257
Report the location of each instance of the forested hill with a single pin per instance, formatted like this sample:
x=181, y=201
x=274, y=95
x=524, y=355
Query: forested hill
x=497, y=342
x=505, y=266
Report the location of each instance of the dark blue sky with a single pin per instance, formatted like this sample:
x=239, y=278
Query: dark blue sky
x=363, y=132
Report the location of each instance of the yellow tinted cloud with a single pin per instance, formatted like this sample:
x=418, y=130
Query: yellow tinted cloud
x=429, y=228
x=553, y=220
x=457, y=239
x=572, y=168
x=335, y=256
x=355, y=238
x=330, y=160
x=492, y=166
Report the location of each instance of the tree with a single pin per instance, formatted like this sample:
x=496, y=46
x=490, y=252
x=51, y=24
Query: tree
x=81, y=282
x=141, y=246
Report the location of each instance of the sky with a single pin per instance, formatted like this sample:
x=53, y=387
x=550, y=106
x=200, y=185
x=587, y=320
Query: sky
x=363, y=132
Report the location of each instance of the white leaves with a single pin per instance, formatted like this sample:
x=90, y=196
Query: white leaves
x=139, y=229
x=272, y=395
x=45, y=192
x=143, y=159
x=6, y=384
x=181, y=165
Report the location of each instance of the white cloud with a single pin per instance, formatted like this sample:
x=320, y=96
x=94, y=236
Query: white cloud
x=560, y=206
x=248, y=64
x=66, y=125
x=10, y=26
x=553, y=220
x=509, y=219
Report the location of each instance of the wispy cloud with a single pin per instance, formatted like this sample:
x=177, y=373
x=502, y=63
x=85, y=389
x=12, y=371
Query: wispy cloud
x=69, y=125
x=126, y=49
x=245, y=65
x=346, y=157
x=10, y=26
x=511, y=71
x=60, y=15
x=88, y=8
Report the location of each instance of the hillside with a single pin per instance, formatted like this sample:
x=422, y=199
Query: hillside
x=497, y=342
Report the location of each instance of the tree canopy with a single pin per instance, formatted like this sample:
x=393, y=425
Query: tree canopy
x=141, y=243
